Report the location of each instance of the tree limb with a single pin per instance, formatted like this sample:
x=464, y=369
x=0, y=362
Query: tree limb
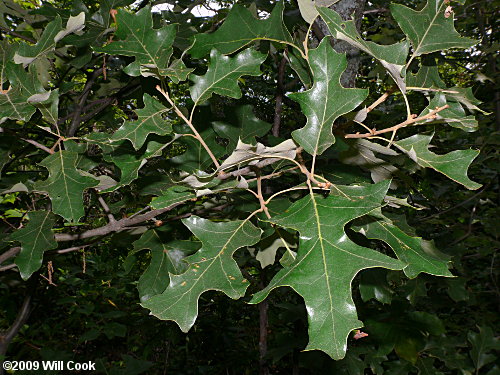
x=75, y=123
x=279, y=98
x=22, y=315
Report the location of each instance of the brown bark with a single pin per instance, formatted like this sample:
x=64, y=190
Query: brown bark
x=347, y=9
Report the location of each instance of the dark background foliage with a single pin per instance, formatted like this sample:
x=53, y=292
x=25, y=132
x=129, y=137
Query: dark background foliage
x=427, y=325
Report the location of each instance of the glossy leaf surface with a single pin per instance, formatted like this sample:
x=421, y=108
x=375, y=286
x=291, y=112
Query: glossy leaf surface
x=392, y=57
x=326, y=100
x=418, y=254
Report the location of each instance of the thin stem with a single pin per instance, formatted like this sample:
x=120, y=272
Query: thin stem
x=285, y=191
x=275, y=174
x=260, y=196
x=106, y=209
x=363, y=125
x=413, y=88
x=379, y=101
x=306, y=39
x=431, y=115
x=279, y=98
x=38, y=145
x=191, y=126
x=407, y=103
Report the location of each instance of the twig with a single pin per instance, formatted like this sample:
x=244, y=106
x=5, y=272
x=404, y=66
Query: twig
x=22, y=315
x=191, y=126
x=430, y=115
x=38, y=145
x=275, y=174
x=379, y=101
x=8, y=267
x=379, y=10
x=75, y=123
x=260, y=196
x=114, y=227
x=74, y=248
x=413, y=88
x=12, y=252
x=17, y=35
x=106, y=209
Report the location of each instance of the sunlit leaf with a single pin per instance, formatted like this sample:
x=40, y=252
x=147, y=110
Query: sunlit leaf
x=326, y=100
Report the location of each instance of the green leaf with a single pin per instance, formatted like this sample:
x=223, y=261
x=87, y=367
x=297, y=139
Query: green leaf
x=35, y=238
x=465, y=96
x=48, y=104
x=454, y=115
x=15, y=101
x=427, y=76
x=171, y=196
x=125, y=157
x=98, y=25
x=196, y=157
x=483, y=343
x=326, y=101
x=26, y=53
x=418, y=255
x=151, y=48
x=177, y=71
x=166, y=259
x=223, y=74
x=241, y=28
x=392, y=57
x=130, y=162
x=373, y=285
x=300, y=66
x=429, y=29
x=328, y=260
x=308, y=9
x=150, y=120
x=211, y=268
x=268, y=248
x=65, y=184
x=241, y=124
x=453, y=165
